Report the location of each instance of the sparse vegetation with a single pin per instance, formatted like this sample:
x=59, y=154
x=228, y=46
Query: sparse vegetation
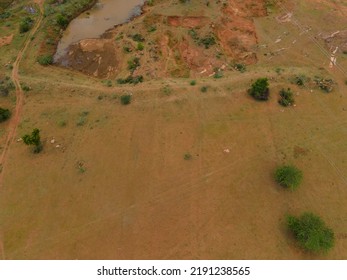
x=138, y=37
x=45, y=60
x=204, y=89
x=131, y=80
x=133, y=64
x=260, y=89
x=207, y=41
x=125, y=99
x=240, y=67
x=286, y=97
x=288, y=176
x=187, y=156
x=6, y=85
x=311, y=232
x=299, y=80
x=325, y=85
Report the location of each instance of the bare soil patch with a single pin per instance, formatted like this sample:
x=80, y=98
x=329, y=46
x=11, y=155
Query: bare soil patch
x=6, y=40
x=169, y=48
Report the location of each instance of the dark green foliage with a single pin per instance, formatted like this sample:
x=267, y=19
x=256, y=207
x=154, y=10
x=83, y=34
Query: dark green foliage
x=204, y=89
x=4, y=114
x=260, y=89
x=152, y=28
x=193, y=83
x=45, y=59
x=6, y=85
x=25, y=25
x=240, y=67
x=62, y=21
x=218, y=74
x=138, y=38
x=193, y=34
x=5, y=15
x=133, y=64
x=140, y=46
x=208, y=41
x=127, y=49
x=287, y=98
x=125, y=99
x=288, y=176
x=311, y=232
x=131, y=80
x=300, y=80
x=33, y=139
x=187, y=156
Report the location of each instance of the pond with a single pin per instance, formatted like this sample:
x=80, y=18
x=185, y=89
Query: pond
x=94, y=22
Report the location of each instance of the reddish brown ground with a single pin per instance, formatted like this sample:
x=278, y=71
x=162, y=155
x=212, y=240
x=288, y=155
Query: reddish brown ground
x=170, y=50
x=6, y=40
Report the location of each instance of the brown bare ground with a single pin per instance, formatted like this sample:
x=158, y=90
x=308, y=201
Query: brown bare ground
x=6, y=40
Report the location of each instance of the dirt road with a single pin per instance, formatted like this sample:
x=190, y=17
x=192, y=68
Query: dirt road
x=15, y=119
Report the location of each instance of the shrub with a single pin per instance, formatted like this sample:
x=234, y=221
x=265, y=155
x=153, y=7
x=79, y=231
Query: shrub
x=138, y=38
x=131, y=80
x=4, y=114
x=133, y=64
x=204, y=89
x=287, y=98
x=187, y=156
x=208, y=41
x=311, y=232
x=25, y=25
x=62, y=21
x=125, y=99
x=288, y=176
x=300, y=80
x=240, y=67
x=193, y=83
x=33, y=139
x=140, y=46
x=260, y=89
x=45, y=59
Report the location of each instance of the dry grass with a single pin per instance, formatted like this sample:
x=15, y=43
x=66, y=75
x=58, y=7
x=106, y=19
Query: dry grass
x=137, y=198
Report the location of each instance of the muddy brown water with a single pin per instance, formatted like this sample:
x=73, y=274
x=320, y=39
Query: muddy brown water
x=94, y=22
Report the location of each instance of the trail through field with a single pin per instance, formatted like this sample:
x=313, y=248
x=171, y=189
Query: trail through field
x=15, y=119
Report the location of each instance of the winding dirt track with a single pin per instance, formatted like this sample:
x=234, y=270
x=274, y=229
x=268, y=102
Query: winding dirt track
x=15, y=119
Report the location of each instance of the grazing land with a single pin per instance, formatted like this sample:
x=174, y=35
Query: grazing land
x=184, y=169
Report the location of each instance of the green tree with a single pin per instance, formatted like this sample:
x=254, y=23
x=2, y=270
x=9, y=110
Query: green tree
x=288, y=176
x=62, y=21
x=311, y=232
x=25, y=25
x=4, y=114
x=33, y=139
x=260, y=89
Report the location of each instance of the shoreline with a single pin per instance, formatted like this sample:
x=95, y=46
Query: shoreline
x=105, y=34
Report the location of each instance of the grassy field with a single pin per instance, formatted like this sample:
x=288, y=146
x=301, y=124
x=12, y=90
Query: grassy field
x=115, y=183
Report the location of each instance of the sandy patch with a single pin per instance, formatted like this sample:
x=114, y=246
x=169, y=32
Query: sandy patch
x=6, y=40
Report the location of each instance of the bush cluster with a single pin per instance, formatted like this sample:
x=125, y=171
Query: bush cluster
x=288, y=176
x=4, y=114
x=260, y=89
x=286, y=97
x=311, y=232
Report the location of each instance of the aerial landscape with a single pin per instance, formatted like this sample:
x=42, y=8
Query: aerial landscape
x=173, y=129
